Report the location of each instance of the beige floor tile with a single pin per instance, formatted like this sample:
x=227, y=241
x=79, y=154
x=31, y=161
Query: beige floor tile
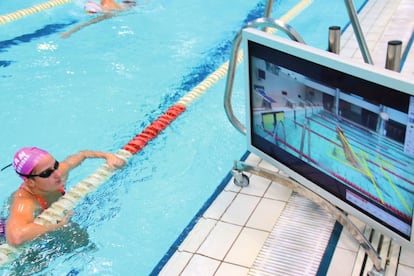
x=347, y=241
x=176, y=264
x=278, y=192
x=201, y=266
x=253, y=159
x=266, y=214
x=246, y=247
x=219, y=240
x=407, y=257
x=342, y=263
x=241, y=209
x=257, y=187
x=198, y=235
x=220, y=205
x=231, y=187
x=226, y=269
x=405, y=270
x=267, y=165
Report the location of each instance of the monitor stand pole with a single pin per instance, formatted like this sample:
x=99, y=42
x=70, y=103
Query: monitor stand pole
x=241, y=179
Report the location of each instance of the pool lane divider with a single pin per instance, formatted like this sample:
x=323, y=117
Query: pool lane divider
x=67, y=202
x=6, y=18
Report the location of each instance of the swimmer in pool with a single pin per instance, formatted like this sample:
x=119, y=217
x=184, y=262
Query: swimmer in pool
x=43, y=183
x=108, y=6
x=106, y=10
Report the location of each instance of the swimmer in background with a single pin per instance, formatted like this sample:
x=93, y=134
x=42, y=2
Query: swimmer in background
x=43, y=183
x=108, y=6
x=106, y=9
x=349, y=153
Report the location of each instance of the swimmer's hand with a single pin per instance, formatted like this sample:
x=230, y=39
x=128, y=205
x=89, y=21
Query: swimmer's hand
x=65, y=221
x=113, y=161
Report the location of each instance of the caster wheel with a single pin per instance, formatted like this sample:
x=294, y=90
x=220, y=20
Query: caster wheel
x=241, y=180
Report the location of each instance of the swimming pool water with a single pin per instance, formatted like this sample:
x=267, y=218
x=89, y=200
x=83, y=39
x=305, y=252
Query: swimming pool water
x=104, y=84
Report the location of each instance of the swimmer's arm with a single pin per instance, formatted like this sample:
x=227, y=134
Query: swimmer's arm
x=75, y=160
x=90, y=22
x=20, y=226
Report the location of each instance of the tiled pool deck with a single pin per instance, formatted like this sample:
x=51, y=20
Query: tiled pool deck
x=229, y=236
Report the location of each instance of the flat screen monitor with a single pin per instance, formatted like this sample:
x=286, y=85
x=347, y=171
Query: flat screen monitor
x=341, y=128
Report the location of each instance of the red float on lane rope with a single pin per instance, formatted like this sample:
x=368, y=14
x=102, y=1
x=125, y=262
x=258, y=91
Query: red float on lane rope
x=137, y=143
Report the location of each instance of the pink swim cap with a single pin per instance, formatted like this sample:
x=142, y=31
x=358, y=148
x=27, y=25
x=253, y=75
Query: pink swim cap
x=92, y=7
x=26, y=159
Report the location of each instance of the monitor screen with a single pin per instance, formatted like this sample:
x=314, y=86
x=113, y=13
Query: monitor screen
x=342, y=129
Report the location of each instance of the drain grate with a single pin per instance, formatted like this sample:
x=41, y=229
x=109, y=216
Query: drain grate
x=297, y=242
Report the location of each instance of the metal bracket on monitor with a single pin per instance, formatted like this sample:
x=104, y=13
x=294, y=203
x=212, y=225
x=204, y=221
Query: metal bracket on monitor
x=241, y=179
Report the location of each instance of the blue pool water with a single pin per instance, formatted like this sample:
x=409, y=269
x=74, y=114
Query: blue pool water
x=104, y=84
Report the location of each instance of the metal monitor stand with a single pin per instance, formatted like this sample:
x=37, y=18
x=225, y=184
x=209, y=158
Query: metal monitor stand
x=241, y=179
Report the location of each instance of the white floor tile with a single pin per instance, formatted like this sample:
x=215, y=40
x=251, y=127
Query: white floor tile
x=241, y=209
x=227, y=269
x=266, y=214
x=231, y=187
x=278, y=192
x=247, y=246
x=201, y=266
x=347, y=241
x=407, y=257
x=257, y=187
x=267, y=165
x=342, y=263
x=405, y=270
x=176, y=264
x=220, y=205
x=198, y=235
x=219, y=240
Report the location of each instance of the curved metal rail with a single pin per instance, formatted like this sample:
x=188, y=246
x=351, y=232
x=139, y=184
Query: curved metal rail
x=240, y=167
x=258, y=23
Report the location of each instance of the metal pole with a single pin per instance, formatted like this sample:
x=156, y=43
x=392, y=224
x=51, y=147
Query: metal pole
x=358, y=31
x=393, y=59
x=268, y=9
x=334, y=40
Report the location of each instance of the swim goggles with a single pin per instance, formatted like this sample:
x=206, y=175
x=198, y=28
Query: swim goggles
x=45, y=174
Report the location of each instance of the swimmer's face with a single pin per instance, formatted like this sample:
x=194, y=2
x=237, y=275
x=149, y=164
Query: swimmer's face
x=47, y=176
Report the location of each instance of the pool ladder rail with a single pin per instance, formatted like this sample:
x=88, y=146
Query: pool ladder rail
x=258, y=23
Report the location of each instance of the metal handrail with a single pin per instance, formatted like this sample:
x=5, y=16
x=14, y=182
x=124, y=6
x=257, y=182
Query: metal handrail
x=258, y=23
x=358, y=31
